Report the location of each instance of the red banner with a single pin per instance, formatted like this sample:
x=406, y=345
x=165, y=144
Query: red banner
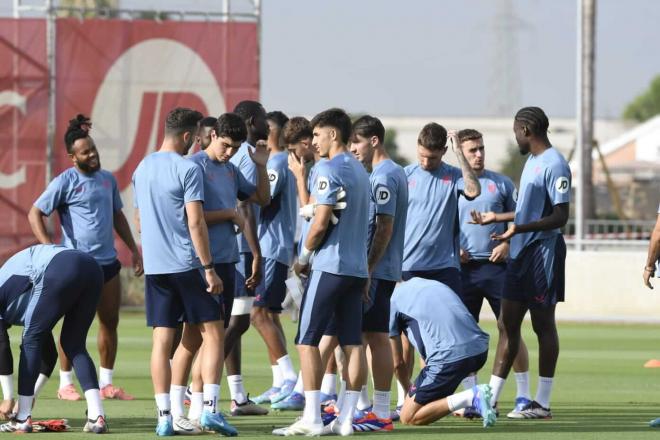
x=125, y=75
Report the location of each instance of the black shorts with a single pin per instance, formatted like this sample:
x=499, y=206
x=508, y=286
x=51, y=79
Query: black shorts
x=482, y=280
x=270, y=293
x=436, y=382
x=227, y=273
x=110, y=270
x=377, y=312
x=243, y=272
x=170, y=298
x=450, y=276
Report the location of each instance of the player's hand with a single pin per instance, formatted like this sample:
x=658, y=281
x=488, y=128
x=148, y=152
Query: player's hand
x=297, y=166
x=302, y=270
x=366, y=298
x=260, y=154
x=138, y=267
x=213, y=282
x=239, y=222
x=500, y=253
x=482, y=218
x=6, y=409
x=452, y=139
x=649, y=272
x=307, y=211
x=254, y=280
x=465, y=256
x=510, y=232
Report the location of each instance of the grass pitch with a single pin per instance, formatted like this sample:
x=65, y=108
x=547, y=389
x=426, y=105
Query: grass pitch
x=601, y=391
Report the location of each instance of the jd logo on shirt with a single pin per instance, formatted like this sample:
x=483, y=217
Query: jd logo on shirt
x=323, y=185
x=382, y=196
x=561, y=185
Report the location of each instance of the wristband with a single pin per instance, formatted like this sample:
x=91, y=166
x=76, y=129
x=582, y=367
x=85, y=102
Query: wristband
x=208, y=266
x=303, y=258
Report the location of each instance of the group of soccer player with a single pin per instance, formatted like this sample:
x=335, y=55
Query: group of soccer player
x=390, y=261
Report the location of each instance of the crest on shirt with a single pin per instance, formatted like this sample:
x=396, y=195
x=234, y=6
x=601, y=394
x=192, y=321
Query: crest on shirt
x=492, y=187
x=562, y=185
x=322, y=185
x=382, y=195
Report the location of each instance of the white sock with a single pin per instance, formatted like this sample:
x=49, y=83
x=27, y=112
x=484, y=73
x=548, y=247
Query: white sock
x=469, y=382
x=363, y=402
x=460, y=400
x=400, y=394
x=177, y=394
x=105, y=377
x=236, y=389
x=329, y=384
x=196, y=406
x=522, y=383
x=496, y=385
x=286, y=367
x=66, y=378
x=543, y=391
x=24, y=407
x=277, y=376
x=163, y=405
x=348, y=407
x=7, y=383
x=312, y=412
x=342, y=394
x=211, y=394
x=39, y=385
x=94, y=405
x=382, y=404
x=299, y=388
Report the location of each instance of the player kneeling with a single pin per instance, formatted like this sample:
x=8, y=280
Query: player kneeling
x=452, y=345
x=38, y=286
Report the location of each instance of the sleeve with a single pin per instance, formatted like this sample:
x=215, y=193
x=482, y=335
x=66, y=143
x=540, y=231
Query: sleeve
x=53, y=197
x=276, y=176
x=510, y=196
x=326, y=186
x=244, y=187
x=248, y=168
x=558, y=183
x=395, y=324
x=384, y=195
x=193, y=185
x=116, y=198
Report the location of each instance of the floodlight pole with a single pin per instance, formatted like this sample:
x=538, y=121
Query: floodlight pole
x=51, y=63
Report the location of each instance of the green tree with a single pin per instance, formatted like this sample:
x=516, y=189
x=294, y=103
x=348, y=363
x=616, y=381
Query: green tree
x=646, y=105
x=392, y=147
x=513, y=164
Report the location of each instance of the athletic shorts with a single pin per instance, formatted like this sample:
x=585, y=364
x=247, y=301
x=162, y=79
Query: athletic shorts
x=377, y=311
x=329, y=295
x=536, y=276
x=170, y=298
x=243, y=272
x=450, y=276
x=482, y=280
x=227, y=273
x=437, y=381
x=271, y=291
x=110, y=270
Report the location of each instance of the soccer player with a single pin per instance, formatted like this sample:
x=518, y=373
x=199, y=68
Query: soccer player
x=483, y=261
x=535, y=275
x=452, y=345
x=203, y=136
x=169, y=192
x=649, y=272
x=338, y=272
x=88, y=202
x=39, y=286
x=387, y=220
x=223, y=186
x=249, y=266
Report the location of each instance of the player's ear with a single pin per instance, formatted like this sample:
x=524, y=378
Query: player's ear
x=214, y=136
x=333, y=134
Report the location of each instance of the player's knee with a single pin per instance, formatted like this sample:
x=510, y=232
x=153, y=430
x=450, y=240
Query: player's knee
x=108, y=321
x=259, y=317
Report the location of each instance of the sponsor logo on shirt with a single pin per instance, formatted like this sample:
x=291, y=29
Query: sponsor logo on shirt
x=382, y=195
x=322, y=185
x=561, y=185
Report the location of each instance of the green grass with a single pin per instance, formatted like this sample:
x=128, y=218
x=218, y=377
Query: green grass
x=601, y=392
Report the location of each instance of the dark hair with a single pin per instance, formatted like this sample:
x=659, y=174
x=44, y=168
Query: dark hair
x=296, y=129
x=469, y=134
x=182, y=119
x=433, y=136
x=249, y=109
x=232, y=126
x=337, y=119
x=277, y=117
x=368, y=126
x=76, y=130
x=208, y=121
x=534, y=119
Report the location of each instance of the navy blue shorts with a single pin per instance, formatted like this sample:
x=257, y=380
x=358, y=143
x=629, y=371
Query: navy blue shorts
x=227, y=273
x=377, y=312
x=436, y=382
x=243, y=272
x=110, y=270
x=482, y=280
x=270, y=293
x=536, y=276
x=169, y=297
x=328, y=295
x=450, y=276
